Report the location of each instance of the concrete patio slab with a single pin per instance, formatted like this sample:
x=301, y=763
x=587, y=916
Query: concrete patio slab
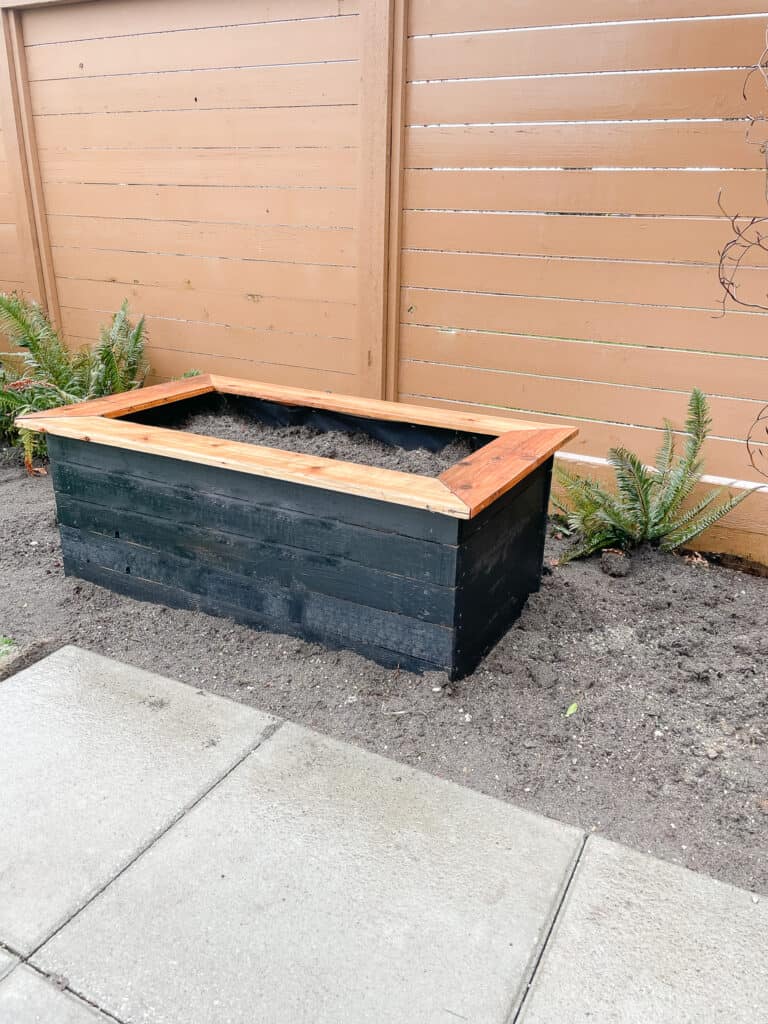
x=641, y=941
x=7, y=962
x=318, y=883
x=26, y=998
x=98, y=758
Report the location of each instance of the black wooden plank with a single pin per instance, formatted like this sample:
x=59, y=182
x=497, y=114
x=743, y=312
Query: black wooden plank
x=269, y=563
x=186, y=505
x=316, y=615
x=173, y=597
x=383, y=516
x=499, y=567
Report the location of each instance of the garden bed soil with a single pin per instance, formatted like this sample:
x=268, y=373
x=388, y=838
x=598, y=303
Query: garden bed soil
x=329, y=444
x=667, y=750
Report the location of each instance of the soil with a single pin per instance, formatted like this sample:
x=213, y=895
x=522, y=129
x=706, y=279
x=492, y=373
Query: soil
x=666, y=751
x=330, y=444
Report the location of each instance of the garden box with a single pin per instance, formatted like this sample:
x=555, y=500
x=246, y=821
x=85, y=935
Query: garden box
x=417, y=571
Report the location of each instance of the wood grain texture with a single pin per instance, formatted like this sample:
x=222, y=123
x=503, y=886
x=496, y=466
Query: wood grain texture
x=396, y=198
x=662, y=144
x=328, y=474
x=485, y=476
x=728, y=456
x=634, y=365
x=116, y=18
x=586, y=97
x=287, y=85
x=250, y=45
x=432, y=16
x=19, y=237
x=135, y=401
x=654, y=239
x=638, y=46
x=673, y=193
x=699, y=330
x=373, y=409
x=237, y=168
x=654, y=284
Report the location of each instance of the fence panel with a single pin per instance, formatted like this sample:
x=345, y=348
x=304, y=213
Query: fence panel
x=204, y=161
x=560, y=223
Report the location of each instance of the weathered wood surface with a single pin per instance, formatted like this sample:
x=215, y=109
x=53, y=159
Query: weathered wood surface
x=405, y=586
x=462, y=491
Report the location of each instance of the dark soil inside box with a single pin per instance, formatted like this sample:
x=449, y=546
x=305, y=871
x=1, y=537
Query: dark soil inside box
x=331, y=444
x=667, y=750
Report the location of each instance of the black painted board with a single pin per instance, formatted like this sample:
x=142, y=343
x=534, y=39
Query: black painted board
x=276, y=607
x=499, y=567
x=268, y=563
x=163, y=594
x=383, y=516
x=174, y=415
x=188, y=506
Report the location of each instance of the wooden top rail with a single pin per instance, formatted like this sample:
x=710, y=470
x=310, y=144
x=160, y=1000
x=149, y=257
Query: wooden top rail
x=462, y=491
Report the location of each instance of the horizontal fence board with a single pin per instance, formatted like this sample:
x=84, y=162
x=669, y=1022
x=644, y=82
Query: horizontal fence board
x=116, y=18
x=656, y=284
x=214, y=129
x=194, y=340
x=290, y=85
x=239, y=277
x=214, y=205
x=623, y=403
x=168, y=365
x=733, y=376
x=328, y=246
x=287, y=42
x=650, y=45
x=429, y=16
x=329, y=319
x=657, y=327
x=671, y=94
x=669, y=144
x=673, y=240
x=233, y=167
x=454, y=389
x=674, y=193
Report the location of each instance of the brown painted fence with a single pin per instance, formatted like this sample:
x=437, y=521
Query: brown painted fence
x=509, y=205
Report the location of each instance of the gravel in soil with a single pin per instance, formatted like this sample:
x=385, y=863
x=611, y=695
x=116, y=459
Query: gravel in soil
x=330, y=444
x=667, y=750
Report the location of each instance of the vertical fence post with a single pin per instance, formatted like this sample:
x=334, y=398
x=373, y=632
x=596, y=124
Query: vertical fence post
x=377, y=17
x=23, y=164
x=397, y=146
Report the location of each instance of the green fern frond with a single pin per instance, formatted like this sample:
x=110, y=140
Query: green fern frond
x=665, y=456
x=43, y=374
x=649, y=503
x=679, y=537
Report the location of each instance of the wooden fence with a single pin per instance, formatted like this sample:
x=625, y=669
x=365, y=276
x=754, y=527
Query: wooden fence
x=510, y=205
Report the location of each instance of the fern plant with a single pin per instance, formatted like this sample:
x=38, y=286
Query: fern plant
x=41, y=373
x=649, y=503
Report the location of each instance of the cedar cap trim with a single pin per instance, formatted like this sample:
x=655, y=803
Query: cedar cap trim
x=462, y=491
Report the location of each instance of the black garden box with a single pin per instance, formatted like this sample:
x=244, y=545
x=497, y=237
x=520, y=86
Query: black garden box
x=424, y=572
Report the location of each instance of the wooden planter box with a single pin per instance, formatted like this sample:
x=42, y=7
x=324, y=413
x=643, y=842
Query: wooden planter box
x=421, y=572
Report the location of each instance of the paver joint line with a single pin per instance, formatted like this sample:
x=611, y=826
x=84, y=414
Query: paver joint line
x=516, y=1014
x=267, y=734
x=78, y=995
